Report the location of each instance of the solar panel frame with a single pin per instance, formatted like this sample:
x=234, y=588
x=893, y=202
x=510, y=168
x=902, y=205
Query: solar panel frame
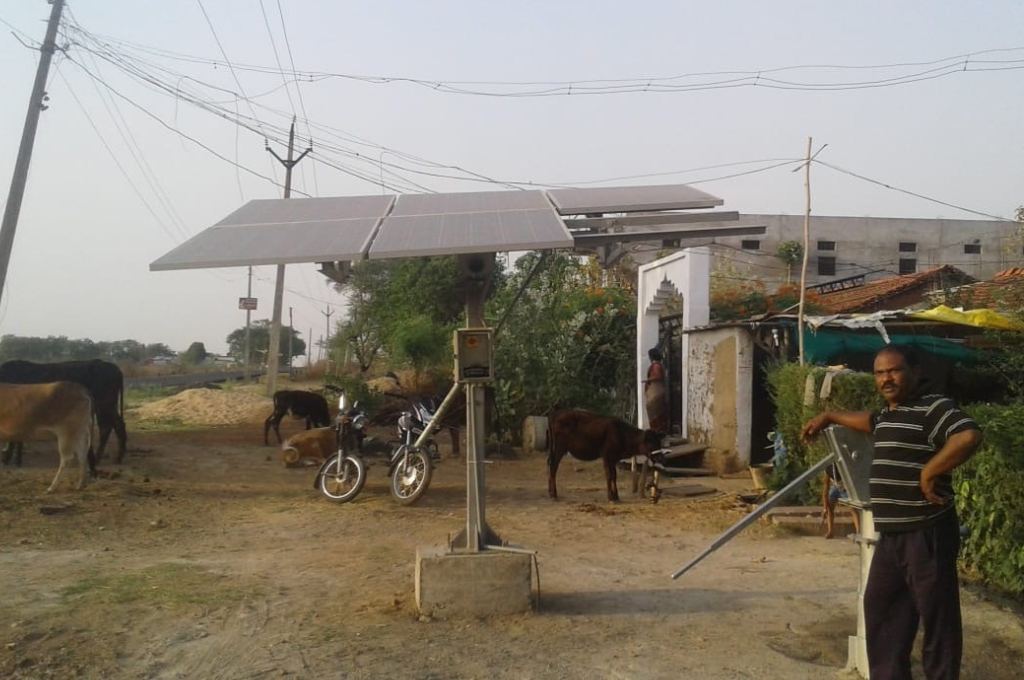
x=653, y=197
x=469, y=232
x=469, y=202
x=274, y=243
x=292, y=210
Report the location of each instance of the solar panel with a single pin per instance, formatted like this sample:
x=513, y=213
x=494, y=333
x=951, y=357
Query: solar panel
x=630, y=199
x=469, y=232
x=470, y=202
x=276, y=243
x=283, y=210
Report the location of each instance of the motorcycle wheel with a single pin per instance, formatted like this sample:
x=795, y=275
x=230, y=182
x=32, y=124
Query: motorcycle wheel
x=342, y=483
x=409, y=480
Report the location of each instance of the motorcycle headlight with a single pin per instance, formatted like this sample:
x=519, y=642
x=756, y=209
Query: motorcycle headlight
x=405, y=421
x=359, y=422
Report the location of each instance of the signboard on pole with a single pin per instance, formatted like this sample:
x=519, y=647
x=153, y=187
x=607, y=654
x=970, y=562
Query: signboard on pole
x=247, y=303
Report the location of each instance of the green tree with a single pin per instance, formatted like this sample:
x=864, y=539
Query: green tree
x=260, y=342
x=421, y=342
x=195, y=354
x=791, y=253
x=568, y=342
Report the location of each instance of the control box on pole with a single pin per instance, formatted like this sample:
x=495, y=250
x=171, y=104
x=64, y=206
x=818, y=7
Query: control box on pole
x=474, y=355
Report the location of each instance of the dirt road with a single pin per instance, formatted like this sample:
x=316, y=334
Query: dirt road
x=205, y=558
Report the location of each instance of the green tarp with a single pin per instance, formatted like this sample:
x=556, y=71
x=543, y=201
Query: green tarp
x=823, y=346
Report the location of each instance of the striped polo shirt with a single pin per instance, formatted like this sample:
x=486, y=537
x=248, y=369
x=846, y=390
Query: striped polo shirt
x=906, y=437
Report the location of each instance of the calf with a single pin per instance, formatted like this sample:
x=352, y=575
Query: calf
x=588, y=436
x=308, y=405
x=63, y=408
x=312, y=444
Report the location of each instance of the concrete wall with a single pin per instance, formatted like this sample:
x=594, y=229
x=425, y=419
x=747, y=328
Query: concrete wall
x=685, y=275
x=869, y=243
x=719, y=395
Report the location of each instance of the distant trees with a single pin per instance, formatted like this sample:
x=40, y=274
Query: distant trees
x=62, y=348
x=791, y=253
x=260, y=338
x=195, y=354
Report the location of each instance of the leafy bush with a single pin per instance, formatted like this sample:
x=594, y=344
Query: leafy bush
x=990, y=499
x=787, y=382
x=989, y=488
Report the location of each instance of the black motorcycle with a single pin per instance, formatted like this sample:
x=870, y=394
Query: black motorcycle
x=343, y=474
x=412, y=467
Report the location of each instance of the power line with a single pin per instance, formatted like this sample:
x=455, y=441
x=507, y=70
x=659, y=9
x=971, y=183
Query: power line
x=910, y=193
x=298, y=90
x=171, y=127
x=938, y=68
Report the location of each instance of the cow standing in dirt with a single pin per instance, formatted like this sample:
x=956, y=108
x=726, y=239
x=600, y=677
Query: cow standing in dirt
x=103, y=380
x=588, y=436
x=308, y=405
x=62, y=408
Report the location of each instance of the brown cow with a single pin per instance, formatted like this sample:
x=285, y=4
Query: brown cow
x=588, y=436
x=317, y=444
x=63, y=408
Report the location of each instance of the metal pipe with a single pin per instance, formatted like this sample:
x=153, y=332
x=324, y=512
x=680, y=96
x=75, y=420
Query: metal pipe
x=758, y=512
x=435, y=421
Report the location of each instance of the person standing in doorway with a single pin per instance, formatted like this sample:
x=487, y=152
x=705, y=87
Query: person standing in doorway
x=919, y=441
x=655, y=393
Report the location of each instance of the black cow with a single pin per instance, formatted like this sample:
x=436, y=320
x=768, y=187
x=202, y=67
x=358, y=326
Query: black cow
x=588, y=436
x=102, y=379
x=308, y=405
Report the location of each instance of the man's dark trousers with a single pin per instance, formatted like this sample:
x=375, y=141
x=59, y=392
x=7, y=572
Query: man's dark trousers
x=913, y=576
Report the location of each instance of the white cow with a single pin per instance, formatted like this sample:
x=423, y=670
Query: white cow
x=61, y=408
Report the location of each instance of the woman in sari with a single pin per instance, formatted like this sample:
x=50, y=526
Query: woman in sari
x=654, y=393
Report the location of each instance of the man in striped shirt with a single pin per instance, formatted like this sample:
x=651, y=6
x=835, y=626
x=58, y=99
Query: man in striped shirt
x=919, y=440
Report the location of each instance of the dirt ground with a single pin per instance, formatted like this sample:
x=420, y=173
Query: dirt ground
x=203, y=557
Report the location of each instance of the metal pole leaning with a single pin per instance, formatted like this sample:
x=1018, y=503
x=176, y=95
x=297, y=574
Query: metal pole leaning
x=757, y=513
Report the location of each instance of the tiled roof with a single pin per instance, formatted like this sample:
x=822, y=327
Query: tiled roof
x=989, y=293
x=872, y=295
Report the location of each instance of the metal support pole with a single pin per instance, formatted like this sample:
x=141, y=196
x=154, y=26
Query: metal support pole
x=291, y=337
x=440, y=413
x=777, y=499
x=36, y=104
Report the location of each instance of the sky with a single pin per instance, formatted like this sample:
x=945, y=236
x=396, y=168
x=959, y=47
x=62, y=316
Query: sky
x=111, y=188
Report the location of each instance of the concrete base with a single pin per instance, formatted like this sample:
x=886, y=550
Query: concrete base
x=472, y=584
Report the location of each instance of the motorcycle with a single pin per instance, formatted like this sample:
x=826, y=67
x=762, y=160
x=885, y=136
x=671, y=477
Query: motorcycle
x=343, y=474
x=412, y=467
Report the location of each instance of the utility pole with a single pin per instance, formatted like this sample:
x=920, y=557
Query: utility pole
x=291, y=336
x=248, y=336
x=309, y=350
x=807, y=248
x=36, y=104
x=327, y=338
x=275, y=323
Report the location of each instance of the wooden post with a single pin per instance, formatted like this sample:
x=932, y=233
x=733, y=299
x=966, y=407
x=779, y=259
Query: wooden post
x=807, y=251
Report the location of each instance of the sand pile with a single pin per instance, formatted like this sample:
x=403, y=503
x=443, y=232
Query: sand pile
x=209, y=407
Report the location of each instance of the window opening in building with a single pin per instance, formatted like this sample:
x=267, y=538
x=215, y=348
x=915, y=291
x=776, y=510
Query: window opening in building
x=908, y=265
x=826, y=266
x=908, y=247
x=826, y=245
x=751, y=244
x=972, y=248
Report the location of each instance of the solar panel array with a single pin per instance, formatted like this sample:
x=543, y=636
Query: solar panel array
x=348, y=228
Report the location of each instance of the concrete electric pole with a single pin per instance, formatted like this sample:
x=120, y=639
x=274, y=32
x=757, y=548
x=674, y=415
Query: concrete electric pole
x=275, y=322
x=36, y=104
x=291, y=336
x=248, y=336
